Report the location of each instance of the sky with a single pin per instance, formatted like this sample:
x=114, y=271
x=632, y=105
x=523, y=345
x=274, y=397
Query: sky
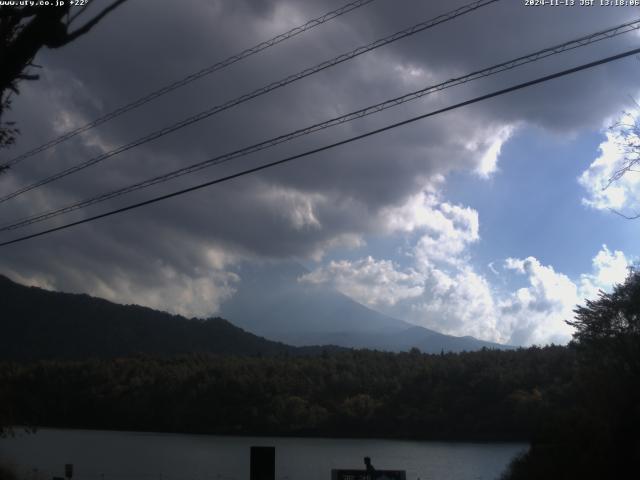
x=489, y=220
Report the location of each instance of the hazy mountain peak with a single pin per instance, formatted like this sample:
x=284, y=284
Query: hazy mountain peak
x=272, y=302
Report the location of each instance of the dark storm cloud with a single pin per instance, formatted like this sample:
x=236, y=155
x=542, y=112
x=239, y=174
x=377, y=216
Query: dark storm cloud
x=297, y=210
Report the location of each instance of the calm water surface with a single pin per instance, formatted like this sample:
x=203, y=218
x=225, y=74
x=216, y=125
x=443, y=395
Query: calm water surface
x=101, y=455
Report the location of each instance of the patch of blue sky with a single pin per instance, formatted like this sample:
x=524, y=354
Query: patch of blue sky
x=533, y=205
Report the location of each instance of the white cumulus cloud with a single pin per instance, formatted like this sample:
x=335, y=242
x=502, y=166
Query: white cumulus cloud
x=623, y=195
x=369, y=281
x=446, y=229
x=457, y=302
x=453, y=298
x=535, y=314
x=609, y=268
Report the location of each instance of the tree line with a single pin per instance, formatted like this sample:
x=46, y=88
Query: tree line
x=483, y=395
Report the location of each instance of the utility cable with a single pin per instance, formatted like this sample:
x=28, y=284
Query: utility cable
x=328, y=147
x=190, y=78
x=511, y=64
x=256, y=93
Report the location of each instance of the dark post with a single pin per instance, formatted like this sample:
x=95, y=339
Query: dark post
x=68, y=470
x=263, y=463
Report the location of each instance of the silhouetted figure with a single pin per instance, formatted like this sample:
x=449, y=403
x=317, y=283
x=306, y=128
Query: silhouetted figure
x=371, y=472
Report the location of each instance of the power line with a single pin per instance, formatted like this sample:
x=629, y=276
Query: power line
x=508, y=65
x=192, y=77
x=333, y=145
x=256, y=93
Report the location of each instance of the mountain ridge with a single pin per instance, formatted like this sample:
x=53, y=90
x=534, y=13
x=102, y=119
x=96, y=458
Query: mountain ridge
x=272, y=301
x=42, y=324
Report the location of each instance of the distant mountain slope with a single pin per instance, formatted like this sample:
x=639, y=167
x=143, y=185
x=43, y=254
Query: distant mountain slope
x=422, y=338
x=38, y=324
x=271, y=302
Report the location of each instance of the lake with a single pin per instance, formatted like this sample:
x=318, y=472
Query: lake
x=106, y=455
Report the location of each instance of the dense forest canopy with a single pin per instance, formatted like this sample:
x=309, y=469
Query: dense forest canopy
x=479, y=395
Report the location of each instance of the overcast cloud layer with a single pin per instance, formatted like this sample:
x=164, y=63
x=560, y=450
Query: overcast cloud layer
x=179, y=255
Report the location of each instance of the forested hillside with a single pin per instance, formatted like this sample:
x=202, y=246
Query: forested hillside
x=39, y=324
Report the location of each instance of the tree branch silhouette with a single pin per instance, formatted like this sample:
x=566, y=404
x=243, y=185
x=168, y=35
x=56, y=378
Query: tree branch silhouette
x=23, y=32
